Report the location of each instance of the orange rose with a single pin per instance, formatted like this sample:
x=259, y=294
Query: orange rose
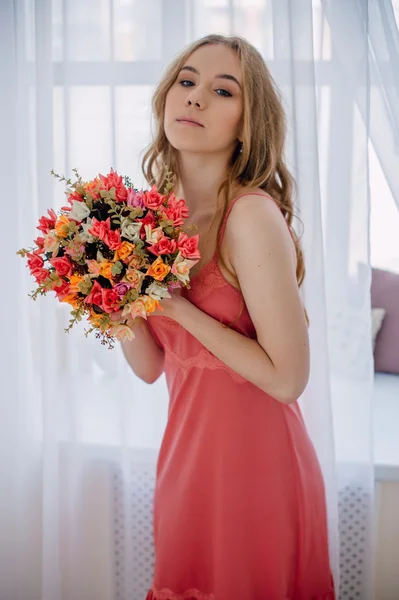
x=74, y=281
x=105, y=270
x=150, y=304
x=62, y=226
x=71, y=299
x=124, y=251
x=158, y=270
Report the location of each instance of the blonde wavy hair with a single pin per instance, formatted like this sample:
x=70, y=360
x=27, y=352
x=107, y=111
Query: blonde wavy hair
x=261, y=163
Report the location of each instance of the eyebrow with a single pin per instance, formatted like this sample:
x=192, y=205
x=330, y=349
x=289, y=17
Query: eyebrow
x=221, y=76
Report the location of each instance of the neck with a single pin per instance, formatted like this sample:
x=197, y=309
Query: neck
x=200, y=177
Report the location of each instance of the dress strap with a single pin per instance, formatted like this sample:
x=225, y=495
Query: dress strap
x=223, y=226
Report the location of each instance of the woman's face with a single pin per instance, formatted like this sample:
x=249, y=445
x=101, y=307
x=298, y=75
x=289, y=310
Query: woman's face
x=208, y=89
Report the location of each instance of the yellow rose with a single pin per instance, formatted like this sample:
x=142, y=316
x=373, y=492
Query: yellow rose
x=158, y=270
x=124, y=251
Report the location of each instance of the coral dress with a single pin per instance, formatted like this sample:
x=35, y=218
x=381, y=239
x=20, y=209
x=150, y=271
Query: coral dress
x=239, y=504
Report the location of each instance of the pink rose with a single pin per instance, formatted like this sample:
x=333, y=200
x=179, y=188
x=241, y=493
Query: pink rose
x=122, y=288
x=100, y=229
x=153, y=199
x=188, y=246
x=113, y=239
x=134, y=198
x=110, y=300
x=96, y=295
x=164, y=246
x=62, y=265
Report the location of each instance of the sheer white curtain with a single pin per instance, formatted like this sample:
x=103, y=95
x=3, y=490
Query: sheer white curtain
x=80, y=433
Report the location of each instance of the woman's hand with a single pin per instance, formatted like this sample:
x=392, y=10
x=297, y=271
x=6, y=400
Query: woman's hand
x=171, y=306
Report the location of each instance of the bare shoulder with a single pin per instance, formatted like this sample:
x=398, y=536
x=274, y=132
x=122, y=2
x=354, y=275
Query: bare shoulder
x=257, y=215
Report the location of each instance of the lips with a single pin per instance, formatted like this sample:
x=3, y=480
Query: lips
x=189, y=120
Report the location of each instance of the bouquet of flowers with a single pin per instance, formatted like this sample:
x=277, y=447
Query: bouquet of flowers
x=112, y=248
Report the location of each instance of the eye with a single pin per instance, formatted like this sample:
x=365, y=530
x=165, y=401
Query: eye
x=225, y=93
x=219, y=91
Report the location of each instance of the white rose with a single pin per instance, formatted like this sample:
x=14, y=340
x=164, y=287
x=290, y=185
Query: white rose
x=130, y=230
x=80, y=211
x=181, y=268
x=123, y=333
x=157, y=292
x=85, y=235
x=153, y=235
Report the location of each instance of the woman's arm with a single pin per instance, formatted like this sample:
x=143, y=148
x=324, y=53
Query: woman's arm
x=261, y=252
x=143, y=354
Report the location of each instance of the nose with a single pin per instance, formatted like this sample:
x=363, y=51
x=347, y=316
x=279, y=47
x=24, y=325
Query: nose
x=195, y=99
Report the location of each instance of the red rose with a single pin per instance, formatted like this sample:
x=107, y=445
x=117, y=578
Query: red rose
x=164, y=246
x=75, y=196
x=177, y=209
x=173, y=215
x=63, y=289
x=115, y=180
x=149, y=219
x=45, y=223
x=39, y=242
x=113, y=239
x=100, y=229
x=41, y=275
x=96, y=295
x=62, y=265
x=110, y=300
x=153, y=199
x=188, y=246
x=121, y=193
x=34, y=262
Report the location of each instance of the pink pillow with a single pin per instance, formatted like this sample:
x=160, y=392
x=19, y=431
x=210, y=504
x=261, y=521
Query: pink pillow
x=385, y=294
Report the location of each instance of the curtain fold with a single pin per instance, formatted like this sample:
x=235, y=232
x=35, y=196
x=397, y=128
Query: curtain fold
x=384, y=101
x=80, y=433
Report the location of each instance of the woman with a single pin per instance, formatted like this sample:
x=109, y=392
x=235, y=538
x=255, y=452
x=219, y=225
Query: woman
x=239, y=507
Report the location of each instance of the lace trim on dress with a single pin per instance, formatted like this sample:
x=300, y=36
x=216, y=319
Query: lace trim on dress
x=203, y=360
x=166, y=594
x=211, y=279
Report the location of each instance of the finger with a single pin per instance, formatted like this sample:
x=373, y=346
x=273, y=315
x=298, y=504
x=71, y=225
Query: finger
x=116, y=316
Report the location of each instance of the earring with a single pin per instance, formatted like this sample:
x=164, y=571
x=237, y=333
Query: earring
x=241, y=147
